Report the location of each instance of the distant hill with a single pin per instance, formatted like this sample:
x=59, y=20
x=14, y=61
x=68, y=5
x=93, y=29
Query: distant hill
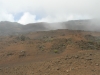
x=87, y=25
x=7, y=28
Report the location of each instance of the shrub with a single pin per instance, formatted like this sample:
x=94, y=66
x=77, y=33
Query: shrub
x=55, y=51
x=22, y=38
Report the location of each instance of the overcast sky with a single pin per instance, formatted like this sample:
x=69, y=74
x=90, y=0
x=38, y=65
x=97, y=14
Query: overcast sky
x=31, y=11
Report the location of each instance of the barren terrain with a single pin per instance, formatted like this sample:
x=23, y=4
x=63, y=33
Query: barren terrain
x=56, y=52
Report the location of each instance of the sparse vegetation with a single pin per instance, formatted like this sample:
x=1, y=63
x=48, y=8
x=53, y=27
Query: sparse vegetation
x=22, y=38
x=47, y=55
x=9, y=54
x=22, y=54
x=55, y=51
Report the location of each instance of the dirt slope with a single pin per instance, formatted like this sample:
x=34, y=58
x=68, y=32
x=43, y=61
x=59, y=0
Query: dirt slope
x=59, y=52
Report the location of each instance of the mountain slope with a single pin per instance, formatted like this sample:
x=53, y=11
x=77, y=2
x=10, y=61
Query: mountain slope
x=57, y=52
x=7, y=28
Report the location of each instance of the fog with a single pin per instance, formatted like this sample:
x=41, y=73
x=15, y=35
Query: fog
x=53, y=12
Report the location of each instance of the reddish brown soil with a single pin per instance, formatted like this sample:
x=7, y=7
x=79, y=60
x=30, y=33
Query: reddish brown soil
x=59, y=52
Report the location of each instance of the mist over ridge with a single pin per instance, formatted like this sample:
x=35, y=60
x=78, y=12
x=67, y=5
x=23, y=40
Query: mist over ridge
x=7, y=27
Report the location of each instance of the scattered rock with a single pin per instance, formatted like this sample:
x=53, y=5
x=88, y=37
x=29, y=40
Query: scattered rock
x=58, y=68
x=67, y=71
x=76, y=56
x=97, y=64
x=88, y=58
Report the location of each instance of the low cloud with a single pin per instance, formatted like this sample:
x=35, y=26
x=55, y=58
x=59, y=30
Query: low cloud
x=5, y=16
x=52, y=10
x=30, y=18
x=27, y=18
